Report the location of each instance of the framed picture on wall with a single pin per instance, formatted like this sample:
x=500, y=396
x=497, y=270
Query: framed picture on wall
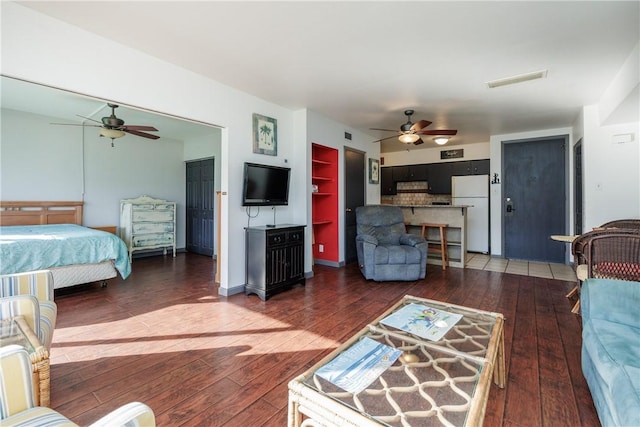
x=374, y=171
x=265, y=135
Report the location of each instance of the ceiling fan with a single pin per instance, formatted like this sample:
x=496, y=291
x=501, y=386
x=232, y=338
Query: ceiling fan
x=113, y=127
x=410, y=133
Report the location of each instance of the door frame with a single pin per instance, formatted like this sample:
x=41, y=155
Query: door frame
x=343, y=219
x=567, y=182
x=578, y=187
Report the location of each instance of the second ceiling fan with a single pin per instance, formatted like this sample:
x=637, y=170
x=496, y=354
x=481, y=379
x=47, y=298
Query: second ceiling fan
x=410, y=133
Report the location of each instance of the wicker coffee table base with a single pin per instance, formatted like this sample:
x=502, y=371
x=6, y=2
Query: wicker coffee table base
x=309, y=406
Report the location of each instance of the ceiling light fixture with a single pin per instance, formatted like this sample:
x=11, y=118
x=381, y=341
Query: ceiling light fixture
x=517, y=79
x=408, y=138
x=441, y=140
x=112, y=133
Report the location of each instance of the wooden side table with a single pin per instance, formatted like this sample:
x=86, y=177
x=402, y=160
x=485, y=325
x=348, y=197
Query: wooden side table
x=16, y=331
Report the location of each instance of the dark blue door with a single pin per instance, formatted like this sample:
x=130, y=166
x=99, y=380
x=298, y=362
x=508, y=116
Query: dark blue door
x=200, y=207
x=534, y=199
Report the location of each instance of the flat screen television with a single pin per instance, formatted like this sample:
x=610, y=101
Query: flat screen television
x=265, y=185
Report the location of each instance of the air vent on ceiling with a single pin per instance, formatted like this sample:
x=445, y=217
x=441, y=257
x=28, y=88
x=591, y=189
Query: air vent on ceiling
x=517, y=79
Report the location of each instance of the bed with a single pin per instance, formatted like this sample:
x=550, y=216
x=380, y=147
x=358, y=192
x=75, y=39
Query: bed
x=49, y=235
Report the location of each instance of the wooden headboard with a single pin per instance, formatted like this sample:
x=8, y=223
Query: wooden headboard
x=39, y=213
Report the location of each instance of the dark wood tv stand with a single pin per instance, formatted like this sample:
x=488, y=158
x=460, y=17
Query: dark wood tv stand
x=274, y=259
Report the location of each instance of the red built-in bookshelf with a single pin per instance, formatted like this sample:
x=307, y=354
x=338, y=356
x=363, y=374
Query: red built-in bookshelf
x=324, y=174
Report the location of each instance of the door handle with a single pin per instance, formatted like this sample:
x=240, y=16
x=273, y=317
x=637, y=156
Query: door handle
x=509, y=205
x=349, y=210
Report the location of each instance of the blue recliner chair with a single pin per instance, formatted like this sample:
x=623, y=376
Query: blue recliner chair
x=385, y=251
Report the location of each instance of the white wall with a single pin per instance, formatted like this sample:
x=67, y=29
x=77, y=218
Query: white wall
x=611, y=171
x=31, y=149
x=48, y=51
x=476, y=151
x=496, y=189
x=329, y=133
x=45, y=162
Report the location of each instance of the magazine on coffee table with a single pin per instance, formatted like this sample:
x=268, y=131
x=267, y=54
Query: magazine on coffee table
x=421, y=320
x=358, y=366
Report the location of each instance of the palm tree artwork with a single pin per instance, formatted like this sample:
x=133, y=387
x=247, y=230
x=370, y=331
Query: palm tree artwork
x=265, y=135
x=266, y=140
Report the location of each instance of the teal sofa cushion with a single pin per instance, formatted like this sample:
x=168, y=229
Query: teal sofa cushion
x=611, y=348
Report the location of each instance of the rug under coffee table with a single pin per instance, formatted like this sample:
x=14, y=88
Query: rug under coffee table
x=434, y=383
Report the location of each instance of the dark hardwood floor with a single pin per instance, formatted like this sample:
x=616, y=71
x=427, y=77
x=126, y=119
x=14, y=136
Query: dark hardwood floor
x=165, y=337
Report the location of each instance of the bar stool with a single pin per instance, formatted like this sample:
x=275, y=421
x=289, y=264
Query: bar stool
x=444, y=253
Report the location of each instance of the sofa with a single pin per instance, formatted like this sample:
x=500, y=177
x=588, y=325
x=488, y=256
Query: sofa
x=385, y=251
x=611, y=348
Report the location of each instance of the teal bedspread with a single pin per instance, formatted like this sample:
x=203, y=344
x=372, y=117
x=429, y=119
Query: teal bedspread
x=38, y=247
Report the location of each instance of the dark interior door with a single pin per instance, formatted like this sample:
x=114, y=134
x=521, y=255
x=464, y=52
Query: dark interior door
x=534, y=199
x=200, y=207
x=354, y=165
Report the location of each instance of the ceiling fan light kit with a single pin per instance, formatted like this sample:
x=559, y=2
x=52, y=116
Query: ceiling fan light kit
x=410, y=133
x=114, y=127
x=409, y=138
x=112, y=133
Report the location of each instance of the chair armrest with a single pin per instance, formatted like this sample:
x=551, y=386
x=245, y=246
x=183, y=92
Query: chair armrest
x=22, y=305
x=16, y=385
x=367, y=238
x=411, y=240
x=131, y=414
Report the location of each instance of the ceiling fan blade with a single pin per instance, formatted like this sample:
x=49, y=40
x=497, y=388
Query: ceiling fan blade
x=386, y=130
x=438, y=132
x=89, y=118
x=419, y=125
x=142, y=134
x=384, y=139
x=418, y=142
x=138, y=127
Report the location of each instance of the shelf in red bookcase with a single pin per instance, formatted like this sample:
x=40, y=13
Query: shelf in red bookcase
x=321, y=178
x=320, y=162
x=321, y=221
x=322, y=194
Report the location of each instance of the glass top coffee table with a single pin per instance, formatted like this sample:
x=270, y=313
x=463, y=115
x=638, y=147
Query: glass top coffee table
x=443, y=382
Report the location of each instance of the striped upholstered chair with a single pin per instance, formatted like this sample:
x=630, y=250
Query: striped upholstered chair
x=21, y=288
x=17, y=406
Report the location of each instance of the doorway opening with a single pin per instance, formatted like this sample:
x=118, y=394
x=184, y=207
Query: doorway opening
x=354, y=196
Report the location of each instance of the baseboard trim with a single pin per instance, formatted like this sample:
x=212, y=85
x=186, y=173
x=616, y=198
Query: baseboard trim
x=227, y=292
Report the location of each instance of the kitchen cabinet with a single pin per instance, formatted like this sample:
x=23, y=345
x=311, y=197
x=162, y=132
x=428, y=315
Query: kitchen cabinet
x=471, y=167
x=387, y=184
x=480, y=167
x=410, y=173
x=440, y=178
x=274, y=259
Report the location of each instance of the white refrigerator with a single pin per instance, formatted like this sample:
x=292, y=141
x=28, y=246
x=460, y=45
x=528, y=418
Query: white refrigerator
x=473, y=190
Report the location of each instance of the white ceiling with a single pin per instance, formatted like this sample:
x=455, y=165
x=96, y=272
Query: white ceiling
x=363, y=63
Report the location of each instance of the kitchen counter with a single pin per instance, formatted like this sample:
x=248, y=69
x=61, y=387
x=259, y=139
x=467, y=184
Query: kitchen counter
x=455, y=216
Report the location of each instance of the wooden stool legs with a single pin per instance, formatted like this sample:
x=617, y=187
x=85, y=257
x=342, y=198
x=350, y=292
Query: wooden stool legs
x=443, y=249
